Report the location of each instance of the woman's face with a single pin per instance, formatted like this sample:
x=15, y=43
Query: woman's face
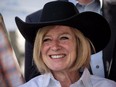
x=59, y=48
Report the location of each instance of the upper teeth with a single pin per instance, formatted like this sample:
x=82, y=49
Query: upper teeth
x=57, y=56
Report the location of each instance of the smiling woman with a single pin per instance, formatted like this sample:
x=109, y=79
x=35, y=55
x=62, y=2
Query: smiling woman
x=57, y=46
x=63, y=40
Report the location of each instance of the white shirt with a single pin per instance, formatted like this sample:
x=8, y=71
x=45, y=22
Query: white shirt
x=96, y=63
x=93, y=6
x=86, y=80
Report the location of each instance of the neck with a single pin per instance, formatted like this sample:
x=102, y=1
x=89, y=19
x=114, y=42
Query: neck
x=84, y=2
x=66, y=78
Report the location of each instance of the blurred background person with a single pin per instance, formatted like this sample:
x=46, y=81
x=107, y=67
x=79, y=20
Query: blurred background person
x=10, y=72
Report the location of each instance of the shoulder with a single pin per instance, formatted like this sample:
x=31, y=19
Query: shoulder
x=36, y=13
x=38, y=81
x=34, y=17
x=102, y=82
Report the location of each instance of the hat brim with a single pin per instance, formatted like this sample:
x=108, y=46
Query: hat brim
x=91, y=24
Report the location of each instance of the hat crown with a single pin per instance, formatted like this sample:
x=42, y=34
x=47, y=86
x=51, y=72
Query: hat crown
x=58, y=10
x=91, y=24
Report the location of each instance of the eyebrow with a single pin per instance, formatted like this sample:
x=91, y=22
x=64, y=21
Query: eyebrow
x=60, y=33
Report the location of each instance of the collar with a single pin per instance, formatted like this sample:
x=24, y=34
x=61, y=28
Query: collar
x=50, y=81
x=76, y=1
x=85, y=80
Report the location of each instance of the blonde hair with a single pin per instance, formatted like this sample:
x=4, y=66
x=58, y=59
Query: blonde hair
x=83, y=50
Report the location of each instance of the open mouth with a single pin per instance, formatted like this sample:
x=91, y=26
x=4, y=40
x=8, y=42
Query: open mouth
x=57, y=56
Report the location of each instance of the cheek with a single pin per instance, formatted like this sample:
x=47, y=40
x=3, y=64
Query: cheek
x=44, y=49
x=71, y=46
x=44, y=52
x=71, y=51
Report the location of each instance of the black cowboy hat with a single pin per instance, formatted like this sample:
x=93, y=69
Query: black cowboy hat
x=91, y=24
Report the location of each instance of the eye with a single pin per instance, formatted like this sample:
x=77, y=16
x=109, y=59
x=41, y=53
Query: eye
x=64, y=38
x=46, y=40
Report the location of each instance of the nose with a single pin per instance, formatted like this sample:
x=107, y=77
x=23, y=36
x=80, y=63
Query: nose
x=55, y=46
